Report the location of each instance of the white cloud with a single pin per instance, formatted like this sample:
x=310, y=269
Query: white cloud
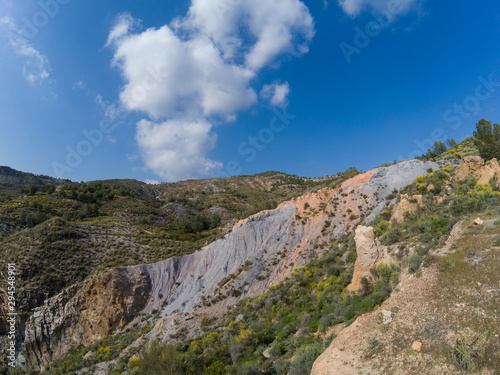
x=36, y=68
x=199, y=70
x=123, y=25
x=390, y=8
x=80, y=85
x=277, y=26
x=276, y=94
x=152, y=182
x=169, y=77
x=176, y=149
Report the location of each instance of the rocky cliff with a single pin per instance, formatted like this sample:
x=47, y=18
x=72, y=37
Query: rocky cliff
x=259, y=252
x=85, y=312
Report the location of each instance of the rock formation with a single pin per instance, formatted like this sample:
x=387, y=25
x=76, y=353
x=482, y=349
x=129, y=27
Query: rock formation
x=470, y=166
x=489, y=171
x=474, y=167
x=370, y=254
x=85, y=313
x=406, y=205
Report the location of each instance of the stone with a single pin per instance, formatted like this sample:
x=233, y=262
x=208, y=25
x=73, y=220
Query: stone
x=439, y=200
x=417, y=346
x=418, y=198
x=267, y=353
x=386, y=317
x=88, y=355
x=474, y=167
x=478, y=221
x=431, y=187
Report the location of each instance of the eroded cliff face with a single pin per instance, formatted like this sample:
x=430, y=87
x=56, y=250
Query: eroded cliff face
x=85, y=313
x=259, y=252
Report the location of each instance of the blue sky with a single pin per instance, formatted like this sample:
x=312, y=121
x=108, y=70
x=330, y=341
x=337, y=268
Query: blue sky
x=169, y=90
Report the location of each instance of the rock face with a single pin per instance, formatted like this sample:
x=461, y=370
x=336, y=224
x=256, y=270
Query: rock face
x=406, y=205
x=259, y=252
x=469, y=166
x=489, y=171
x=370, y=253
x=474, y=167
x=85, y=313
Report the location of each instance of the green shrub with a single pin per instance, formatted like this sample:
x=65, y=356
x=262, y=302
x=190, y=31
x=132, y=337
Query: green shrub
x=469, y=351
x=159, y=359
x=414, y=263
x=304, y=360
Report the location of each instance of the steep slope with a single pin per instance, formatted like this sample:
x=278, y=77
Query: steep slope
x=444, y=316
x=445, y=321
x=259, y=252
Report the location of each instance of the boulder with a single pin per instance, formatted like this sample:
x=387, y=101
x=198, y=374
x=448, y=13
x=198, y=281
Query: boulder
x=386, y=317
x=417, y=346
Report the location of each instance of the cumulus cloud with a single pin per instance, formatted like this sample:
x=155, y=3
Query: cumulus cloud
x=276, y=94
x=176, y=149
x=391, y=7
x=276, y=26
x=169, y=77
x=198, y=71
x=36, y=68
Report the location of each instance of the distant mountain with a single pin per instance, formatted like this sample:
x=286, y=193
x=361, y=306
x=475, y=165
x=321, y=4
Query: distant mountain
x=12, y=179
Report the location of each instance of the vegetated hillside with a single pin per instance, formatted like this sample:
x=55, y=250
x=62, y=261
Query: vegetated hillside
x=258, y=253
x=10, y=179
x=60, y=232
x=284, y=329
x=444, y=316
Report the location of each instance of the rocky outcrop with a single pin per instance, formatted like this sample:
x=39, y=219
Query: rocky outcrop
x=370, y=254
x=85, y=313
x=406, y=205
x=489, y=171
x=474, y=167
x=470, y=166
x=259, y=252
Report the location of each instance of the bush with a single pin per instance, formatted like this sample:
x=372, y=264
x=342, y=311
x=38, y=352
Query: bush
x=414, y=263
x=158, y=359
x=304, y=360
x=469, y=351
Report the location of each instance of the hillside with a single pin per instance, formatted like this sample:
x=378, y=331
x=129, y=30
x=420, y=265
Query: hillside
x=87, y=227
x=260, y=274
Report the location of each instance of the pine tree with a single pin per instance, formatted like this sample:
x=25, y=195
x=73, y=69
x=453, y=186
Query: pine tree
x=487, y=139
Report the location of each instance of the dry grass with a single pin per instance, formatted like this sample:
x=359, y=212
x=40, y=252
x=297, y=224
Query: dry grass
x=468, y=292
